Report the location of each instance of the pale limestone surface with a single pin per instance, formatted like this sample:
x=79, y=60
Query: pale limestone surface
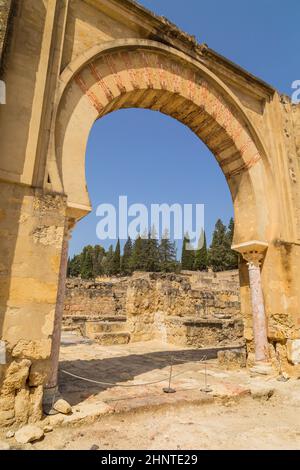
x=29, y=433
x=293, y=351
x=62, y=406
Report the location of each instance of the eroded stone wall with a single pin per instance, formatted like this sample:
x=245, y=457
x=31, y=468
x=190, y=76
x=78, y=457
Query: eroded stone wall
x=5, y=7
x=193, y=309
x=32, y=229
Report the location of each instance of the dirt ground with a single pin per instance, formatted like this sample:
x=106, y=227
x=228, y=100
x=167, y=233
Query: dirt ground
x=132, y=412
x=249, y=424
x=238, y=413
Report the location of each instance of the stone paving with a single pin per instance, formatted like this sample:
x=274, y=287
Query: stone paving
x=108, y=413
x=146, y=363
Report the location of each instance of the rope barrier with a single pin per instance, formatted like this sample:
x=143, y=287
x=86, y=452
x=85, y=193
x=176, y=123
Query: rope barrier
x=98, y=382
x=114, y=384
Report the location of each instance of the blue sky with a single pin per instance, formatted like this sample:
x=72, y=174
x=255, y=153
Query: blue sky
x=152, y=158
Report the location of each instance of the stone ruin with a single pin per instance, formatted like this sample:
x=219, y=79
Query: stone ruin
x=199, y=310
x=144, y=62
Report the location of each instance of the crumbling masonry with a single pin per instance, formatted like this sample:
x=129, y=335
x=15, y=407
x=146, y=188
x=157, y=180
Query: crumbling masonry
x=191, y=309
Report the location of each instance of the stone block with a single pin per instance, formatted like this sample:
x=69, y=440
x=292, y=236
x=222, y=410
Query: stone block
x=22, y=407
x=29, y=433
x=232, y=359
x=293, y=351
x=2, y=353
x=261, y=391
x=38, y=373
x=32, y=349
x=36, y=399
x=16, y=376
x=62, y=406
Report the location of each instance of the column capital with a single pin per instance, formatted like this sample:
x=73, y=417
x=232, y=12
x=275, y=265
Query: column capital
x=253, y=252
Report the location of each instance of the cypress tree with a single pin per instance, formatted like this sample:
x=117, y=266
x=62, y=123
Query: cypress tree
x=231, y=256
x=69, y=267
x=108, y=262
x=86, y=268
x=138, y=255
x=116, y=264
x=218, y=250
x=187, y=256
x=126, y=267
x=200, y=263
x=74, y=266
x=152, y=256
x=98, y=255
x=167, y=254
x=88, y=264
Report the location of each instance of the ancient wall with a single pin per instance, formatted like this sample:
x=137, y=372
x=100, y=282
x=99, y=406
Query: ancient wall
x=193, y=309
x=28, y=293
x=94, y=299
x=5, y=6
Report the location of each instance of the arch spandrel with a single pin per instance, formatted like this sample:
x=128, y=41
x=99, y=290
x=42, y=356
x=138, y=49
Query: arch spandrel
x=158, y=80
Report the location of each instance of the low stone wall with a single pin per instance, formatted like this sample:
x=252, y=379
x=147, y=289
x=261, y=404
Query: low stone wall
x=192, y=309
x=94, y=300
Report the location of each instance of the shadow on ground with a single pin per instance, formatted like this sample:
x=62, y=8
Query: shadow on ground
x=121, y=369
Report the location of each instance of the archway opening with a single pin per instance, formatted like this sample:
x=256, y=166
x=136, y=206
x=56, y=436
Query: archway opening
x=143, y=74
x=138, y=317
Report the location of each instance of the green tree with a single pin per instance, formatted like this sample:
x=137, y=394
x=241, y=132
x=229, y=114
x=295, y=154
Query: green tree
x=218, y=249
x=117, y=259
x=200, y=262
x=88, y=264
x=152, y=255
x=138, y=261
x=98, y=255
x=86, y=268
x=74, y=266
x=187, y=256
x=108, y=262
x=126, y=265
x=167, y=253
x=69, y=267
x=231, y=261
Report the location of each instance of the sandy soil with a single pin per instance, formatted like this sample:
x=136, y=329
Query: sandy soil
x=250, y=424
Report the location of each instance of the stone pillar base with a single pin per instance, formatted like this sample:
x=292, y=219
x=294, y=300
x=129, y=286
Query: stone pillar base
x=262, y=368
x=50, y=396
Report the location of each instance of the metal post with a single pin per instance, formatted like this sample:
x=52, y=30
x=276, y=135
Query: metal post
x=169, y=389
x=207, y=388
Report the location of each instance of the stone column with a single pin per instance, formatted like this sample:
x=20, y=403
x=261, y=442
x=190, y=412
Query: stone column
x=253, y=252
x=56, y=335
x=258, y=308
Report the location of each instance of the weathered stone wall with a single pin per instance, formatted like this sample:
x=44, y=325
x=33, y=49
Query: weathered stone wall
x=33, y=227
x=5, y=7
x=195, y=309
x=94, y=300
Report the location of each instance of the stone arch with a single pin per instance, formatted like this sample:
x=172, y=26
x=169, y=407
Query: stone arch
x=146, y=74
x=43, y=179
